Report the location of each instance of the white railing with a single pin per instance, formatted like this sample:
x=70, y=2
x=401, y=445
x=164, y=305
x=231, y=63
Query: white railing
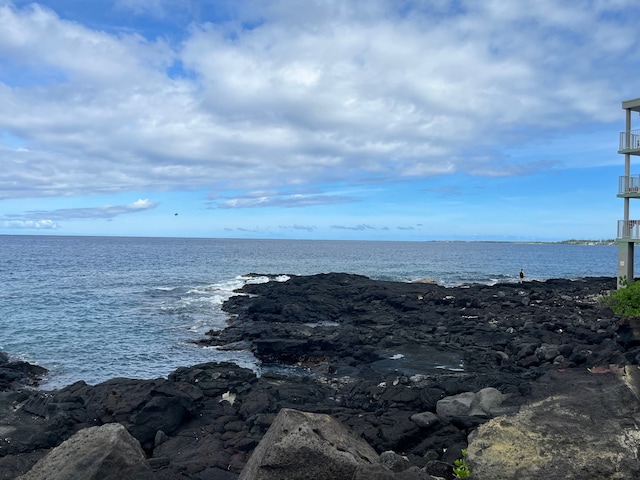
x=630, y=140
x=629, y=184
x=629, y=229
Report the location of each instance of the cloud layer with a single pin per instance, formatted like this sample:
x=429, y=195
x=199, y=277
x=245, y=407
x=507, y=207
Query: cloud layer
x=297, y=104
x=35, y=218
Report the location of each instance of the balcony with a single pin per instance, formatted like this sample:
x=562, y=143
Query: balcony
x=629, y=229
x=630, y=142
x=629, y=186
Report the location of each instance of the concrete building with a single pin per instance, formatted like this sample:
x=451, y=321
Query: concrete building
x=628, y=188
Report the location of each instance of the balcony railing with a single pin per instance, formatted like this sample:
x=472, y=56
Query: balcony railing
x=629, y=229
x=629, y=185
x=629, y=140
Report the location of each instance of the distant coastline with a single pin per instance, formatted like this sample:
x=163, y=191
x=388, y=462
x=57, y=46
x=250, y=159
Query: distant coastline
x=588, y=242
x=538, y=242
x=446, y=240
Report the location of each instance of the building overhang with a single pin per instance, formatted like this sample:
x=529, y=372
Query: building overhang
x=633, y=105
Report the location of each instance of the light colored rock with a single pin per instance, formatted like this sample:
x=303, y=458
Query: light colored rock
x=485, y=401
x=228, y=397
x=580, y=426
x=455, y=405
x=108, y=452
x=465, y=404
x=301, y=445
x=160, y=438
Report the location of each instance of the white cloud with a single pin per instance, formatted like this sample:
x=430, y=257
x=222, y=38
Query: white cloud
x=36, y=38
x=32, y=219
x=312, y=92
x=29, y=224
x=274, y=199
x=142, y=204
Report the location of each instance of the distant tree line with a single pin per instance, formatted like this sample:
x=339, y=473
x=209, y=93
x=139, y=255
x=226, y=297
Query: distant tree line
x=610, y=241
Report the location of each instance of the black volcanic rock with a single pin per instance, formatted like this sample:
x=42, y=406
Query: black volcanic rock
x=17, y=374
x=369, y=353
x=345, y=323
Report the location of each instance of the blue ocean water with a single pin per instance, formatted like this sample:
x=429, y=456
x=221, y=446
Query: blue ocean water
x=94, y=308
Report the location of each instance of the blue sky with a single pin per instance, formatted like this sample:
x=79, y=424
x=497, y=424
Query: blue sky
x=315, y=119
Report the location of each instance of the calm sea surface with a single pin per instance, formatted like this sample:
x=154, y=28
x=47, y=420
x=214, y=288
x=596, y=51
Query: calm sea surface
x=94, y=308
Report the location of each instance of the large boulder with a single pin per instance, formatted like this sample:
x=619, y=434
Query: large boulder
x=479, y=404
x=455, y=405
x=108, y=452
x=308, y=446
x=578, y=426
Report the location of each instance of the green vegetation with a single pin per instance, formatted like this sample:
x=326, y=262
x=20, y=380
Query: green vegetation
x=625, y=301
x=460, y=467
x=589, y=242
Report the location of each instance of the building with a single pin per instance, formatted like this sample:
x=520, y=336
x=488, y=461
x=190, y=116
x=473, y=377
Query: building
x=628, y=188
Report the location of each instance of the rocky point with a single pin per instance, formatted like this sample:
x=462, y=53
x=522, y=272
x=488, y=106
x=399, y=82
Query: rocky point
x=416, y=370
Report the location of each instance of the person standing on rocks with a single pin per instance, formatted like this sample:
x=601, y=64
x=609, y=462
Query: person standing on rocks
x=521, y=275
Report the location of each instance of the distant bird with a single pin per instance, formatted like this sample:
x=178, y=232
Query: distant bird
x=176, y=214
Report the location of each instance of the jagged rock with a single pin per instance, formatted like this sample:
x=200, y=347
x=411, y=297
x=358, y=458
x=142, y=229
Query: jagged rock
x=18, y=374
x=301, y=445
x=425, y=419
x=629, y=332
x=371, y=355
x=393, y=461
x=144, y=407
x=580, y=425
x=455, y=405
x=108, y=452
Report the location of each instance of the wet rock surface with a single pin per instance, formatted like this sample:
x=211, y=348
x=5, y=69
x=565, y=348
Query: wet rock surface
x=377, y=356
x=16, y=374
x=346, y=324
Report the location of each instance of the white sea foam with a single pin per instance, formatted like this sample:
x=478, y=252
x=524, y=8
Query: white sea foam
x=325, y=323
x=203, y=303
x=451, y=368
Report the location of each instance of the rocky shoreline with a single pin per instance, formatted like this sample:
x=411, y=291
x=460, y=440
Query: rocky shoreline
x=411, y=368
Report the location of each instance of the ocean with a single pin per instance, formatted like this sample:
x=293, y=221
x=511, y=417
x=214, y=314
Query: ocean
x=94, y=308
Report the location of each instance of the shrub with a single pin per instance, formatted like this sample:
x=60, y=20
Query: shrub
x=625, y=301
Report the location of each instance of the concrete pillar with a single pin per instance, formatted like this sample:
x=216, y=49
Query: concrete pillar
x=625, y=249
x=625, y=263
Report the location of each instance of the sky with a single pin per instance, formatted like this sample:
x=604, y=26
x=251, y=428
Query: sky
x=316, y=119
